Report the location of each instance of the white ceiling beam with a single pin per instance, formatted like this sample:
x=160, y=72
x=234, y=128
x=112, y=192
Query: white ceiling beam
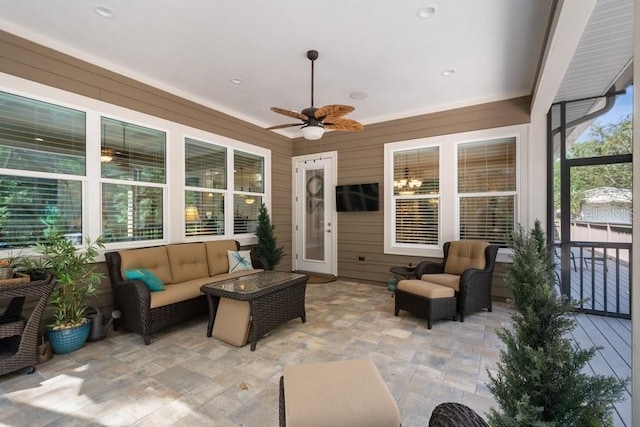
x=569, y=22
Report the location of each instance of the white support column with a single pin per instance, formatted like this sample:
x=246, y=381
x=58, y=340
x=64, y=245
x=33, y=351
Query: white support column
x=568, y=24
x=635, y=240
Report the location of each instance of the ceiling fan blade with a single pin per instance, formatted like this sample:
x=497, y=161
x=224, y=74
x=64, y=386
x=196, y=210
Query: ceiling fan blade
x=284, y=126
x=334, y=110
x=344, y=125
x=290, y=113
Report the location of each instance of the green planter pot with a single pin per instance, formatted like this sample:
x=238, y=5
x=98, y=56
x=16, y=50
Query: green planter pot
x=69, y=339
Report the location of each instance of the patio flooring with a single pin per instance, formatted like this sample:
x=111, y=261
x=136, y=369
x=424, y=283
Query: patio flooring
x=186, y=379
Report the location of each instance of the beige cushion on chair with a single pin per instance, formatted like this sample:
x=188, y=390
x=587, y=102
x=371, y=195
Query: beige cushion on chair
x=465, y=254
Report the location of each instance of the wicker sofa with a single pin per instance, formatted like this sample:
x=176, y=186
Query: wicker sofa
x=183, y=268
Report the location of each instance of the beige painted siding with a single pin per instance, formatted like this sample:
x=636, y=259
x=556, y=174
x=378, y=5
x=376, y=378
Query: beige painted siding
x=361, y=158
x=360, y=155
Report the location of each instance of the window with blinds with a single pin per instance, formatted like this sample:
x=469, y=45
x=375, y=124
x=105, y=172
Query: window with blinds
x=248, y=185
x=42, y=149
x=132, y=161
x=487, y=190
x=416, y=192
x=42, y=137
x=206, y=184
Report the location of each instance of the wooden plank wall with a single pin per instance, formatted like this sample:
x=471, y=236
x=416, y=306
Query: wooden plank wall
x=361, y=159
x=31, y=61
x=360, y=154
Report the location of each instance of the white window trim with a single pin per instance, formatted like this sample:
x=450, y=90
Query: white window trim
x=174, y=186
x=449, y=197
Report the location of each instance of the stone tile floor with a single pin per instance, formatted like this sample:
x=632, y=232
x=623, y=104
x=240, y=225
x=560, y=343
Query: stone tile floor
x=186, y=379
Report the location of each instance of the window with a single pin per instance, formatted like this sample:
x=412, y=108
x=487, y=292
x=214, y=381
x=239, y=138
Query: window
x=42, y=165
x=95, y=169
x=487, y=190
x=248, y=191
x=206, y=183
x=416, y=188
x=450, y=187
x=132, y=181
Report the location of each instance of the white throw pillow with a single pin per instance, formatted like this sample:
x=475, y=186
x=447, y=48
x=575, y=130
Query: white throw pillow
x=239, y=261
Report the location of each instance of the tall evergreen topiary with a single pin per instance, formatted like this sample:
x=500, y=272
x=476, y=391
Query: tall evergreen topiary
x=540, y=379
x=267, y=247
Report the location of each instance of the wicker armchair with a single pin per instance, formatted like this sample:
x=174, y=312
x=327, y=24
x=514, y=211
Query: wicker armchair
x=451, y=414
x=19, y=336
x=473, y=288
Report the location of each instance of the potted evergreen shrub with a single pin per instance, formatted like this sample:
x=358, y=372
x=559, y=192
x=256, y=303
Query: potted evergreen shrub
x=267, y=247
x=541, y=380
x=76, y=280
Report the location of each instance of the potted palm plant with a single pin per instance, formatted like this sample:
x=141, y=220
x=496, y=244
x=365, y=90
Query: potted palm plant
x=76, y=280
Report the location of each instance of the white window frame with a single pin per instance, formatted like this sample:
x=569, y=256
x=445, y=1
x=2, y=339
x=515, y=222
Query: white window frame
x=449, y=197
x=173, y=200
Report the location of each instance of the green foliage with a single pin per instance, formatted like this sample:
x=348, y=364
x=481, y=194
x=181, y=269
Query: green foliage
x=604, y=140
x=267, y=247
x=76, y=278
x=540, y=379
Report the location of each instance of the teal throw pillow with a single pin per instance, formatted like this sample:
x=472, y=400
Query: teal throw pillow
x=239, y=261
x=149, y=279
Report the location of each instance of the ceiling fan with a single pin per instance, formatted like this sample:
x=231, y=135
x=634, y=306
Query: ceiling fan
x=316, y=120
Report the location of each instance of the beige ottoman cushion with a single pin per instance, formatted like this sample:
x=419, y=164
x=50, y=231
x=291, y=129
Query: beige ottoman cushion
x=343, y=393
x=444, y=279
x=425, y=289
x=232, y=322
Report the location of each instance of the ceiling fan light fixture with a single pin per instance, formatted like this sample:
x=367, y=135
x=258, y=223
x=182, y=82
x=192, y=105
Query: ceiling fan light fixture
x=105, y=157
x=312, y=133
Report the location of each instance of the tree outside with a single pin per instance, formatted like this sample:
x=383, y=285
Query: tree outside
x=603, y=140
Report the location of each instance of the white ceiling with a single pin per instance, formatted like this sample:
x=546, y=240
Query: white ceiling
x=383, y=48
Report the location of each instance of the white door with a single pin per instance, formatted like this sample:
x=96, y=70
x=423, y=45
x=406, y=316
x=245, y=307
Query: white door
x=314, y=223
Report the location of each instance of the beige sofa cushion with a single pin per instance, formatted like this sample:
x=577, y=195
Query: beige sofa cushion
x=341, y=393
x=465, y=254
x=232, y=322
x=217, y=255
x=190, y=289
x=153, y=259
x=176, y=293
x=188, y=261
x=444, y=279
x=425, y=289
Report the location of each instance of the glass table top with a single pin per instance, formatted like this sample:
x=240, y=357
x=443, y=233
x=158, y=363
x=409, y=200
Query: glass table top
x=254, y=282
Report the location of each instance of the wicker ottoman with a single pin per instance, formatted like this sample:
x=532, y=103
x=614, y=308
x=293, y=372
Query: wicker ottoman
x=426, y=300
x=343, y=393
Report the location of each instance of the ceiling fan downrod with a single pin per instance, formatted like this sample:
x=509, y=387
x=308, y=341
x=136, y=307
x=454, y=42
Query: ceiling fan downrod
x=312, y=55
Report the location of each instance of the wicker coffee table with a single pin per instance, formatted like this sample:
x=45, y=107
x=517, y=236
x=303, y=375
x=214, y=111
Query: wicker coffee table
x=274, y=298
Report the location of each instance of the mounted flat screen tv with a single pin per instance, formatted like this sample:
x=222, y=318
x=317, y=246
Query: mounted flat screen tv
x=357, y=197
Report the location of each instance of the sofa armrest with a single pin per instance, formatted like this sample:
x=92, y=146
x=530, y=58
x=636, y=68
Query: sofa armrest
x=428, y=267
x=131, y=297
x=259, y=262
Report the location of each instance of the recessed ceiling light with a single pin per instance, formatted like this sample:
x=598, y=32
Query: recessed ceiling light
x=237, y=81
x=358, y=95
x=449, y=72
x=39, y=139
x=426, y=12
x=104, y=11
